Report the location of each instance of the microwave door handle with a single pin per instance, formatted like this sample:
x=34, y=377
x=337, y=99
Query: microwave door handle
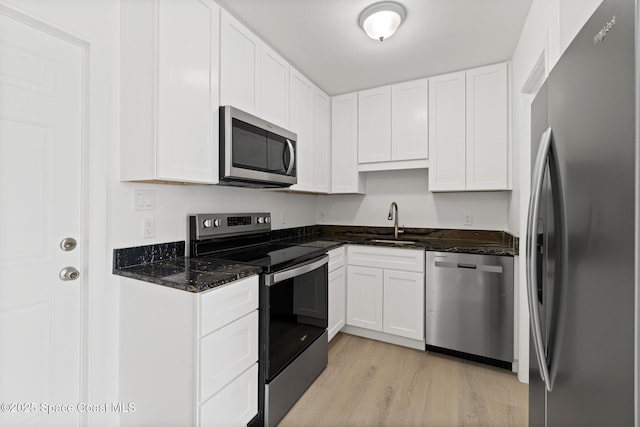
x=532, y=255
x=292, y=157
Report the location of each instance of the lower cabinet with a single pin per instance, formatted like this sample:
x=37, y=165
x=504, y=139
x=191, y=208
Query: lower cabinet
x=189, y=358
x=403, y=304
x=364, y=297
x=337, y=291
x=385, y=294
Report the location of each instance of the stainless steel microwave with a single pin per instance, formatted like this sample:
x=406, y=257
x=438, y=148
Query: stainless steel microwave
x=254, y=152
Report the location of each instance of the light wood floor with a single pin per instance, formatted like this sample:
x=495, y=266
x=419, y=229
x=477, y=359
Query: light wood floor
x=370, y=383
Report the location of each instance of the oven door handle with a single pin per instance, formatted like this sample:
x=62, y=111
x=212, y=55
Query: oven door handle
x=272, y=279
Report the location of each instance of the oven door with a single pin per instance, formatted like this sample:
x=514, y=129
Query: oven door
x=295, y=304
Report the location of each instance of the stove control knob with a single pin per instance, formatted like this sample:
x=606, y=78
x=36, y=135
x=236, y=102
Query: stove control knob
x=267, y=219
x=260, y=220
x=210, y=223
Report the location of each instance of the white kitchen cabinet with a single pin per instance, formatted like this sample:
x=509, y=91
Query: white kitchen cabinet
x=322, y=143
x=447, y=134
x=337, y=291
x=374, y=125
x=169, y=94
x=385, y=294
x=301, y=121
x=487, y=128
x=364, y=297
x=345, y=177
x=468, y=130
x=393, y=127
x=239, y=65
x=410, y=121
x=274, y=87
x=213, y=378
x=227, y=408
x=403, y=304
x=310, y=119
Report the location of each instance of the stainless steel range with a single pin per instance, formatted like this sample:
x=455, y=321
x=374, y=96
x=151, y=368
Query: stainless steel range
x=293, y=302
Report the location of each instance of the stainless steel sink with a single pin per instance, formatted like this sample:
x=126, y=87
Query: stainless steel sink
x=394, y=242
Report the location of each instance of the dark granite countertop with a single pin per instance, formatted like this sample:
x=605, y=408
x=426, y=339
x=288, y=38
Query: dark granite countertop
x=165, y=264
x=442, y=240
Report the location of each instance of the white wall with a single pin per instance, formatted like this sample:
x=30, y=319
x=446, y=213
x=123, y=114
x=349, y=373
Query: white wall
x=175, y=202
x=417, y=206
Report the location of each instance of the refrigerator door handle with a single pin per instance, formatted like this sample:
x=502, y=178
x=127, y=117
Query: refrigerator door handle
x=532, y=254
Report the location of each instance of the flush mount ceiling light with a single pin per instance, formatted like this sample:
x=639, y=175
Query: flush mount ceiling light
x=381, y=20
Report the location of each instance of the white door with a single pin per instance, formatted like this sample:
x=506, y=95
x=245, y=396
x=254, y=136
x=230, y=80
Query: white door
x=41, y=115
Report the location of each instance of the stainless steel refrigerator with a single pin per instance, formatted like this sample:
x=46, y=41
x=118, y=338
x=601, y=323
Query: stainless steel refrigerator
x=581, y=230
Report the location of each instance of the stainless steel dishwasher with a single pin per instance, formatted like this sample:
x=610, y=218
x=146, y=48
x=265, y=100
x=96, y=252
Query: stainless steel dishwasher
x=469, y=304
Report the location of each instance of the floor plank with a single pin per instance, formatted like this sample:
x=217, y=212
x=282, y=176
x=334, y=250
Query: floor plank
x=371, y=383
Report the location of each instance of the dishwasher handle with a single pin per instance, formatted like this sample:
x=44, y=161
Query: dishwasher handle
x=456, y=265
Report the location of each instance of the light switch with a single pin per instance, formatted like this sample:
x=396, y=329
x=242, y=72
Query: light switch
x=144, y=200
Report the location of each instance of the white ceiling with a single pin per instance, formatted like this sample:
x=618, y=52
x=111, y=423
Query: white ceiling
x=322, y=38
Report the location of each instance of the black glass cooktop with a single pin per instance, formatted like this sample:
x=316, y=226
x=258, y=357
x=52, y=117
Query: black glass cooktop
x=270, y=256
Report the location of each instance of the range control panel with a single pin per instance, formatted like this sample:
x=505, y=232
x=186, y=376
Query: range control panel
x=202, y=226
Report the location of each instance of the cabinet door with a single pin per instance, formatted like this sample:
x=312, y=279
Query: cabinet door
x=404, y=304
x=409, y=124
x=337, y=301
x=301, y=120
x=374, y=125
x=322, y=140
x=240, y=343
x=235, y=405
x=239, y=65
x=345, y=177
x=487, y=130
x=187, y=119
x=447, y=132
x=274, y=87
x=364, y=297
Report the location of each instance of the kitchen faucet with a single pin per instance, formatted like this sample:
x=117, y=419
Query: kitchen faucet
x=393, y=215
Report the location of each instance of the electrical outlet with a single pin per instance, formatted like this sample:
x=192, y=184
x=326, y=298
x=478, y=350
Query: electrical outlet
x=283, y=218
x=148, y=228
x=468, y=219
x=321, y=217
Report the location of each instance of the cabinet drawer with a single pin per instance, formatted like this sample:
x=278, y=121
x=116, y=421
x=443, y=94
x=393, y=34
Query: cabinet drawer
x=234, y=405
x=226, y=353
x=391, y=258
x=336, y=258
x=219, y=307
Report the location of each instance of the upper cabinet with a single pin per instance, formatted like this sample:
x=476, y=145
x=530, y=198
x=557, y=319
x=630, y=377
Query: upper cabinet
x=487, y=128
x=469, y=130
x=393, y=127
x=345, y=177
x=169, y=94
x=374, y=125
x=274, y=87
x=310, y=119
x=301, y=120
x=239, y=65
x=409, y=121
x=447, y=135
x=322, y=168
